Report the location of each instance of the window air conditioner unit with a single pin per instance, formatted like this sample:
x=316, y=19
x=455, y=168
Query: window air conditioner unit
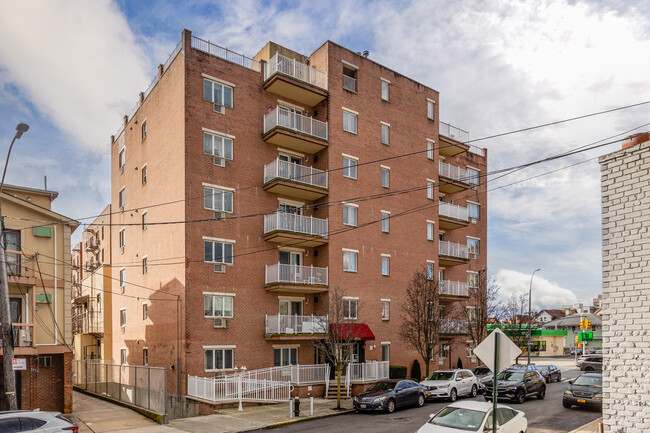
x=219, y=161
x=220, y=268
x=220, y=323
x=473, y=220
x=218, y=108
x=221, y=216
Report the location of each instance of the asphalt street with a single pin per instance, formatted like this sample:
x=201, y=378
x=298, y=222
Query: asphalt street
x=544, y=416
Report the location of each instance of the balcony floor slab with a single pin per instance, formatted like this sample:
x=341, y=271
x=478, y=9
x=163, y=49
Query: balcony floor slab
x=294, y=140
x=292, y=188
x=292, y=238
x=294, y=89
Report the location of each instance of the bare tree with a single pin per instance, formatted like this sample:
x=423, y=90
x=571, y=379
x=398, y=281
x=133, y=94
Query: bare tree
x=421, y=316
x=516, y=309
x=484, y=302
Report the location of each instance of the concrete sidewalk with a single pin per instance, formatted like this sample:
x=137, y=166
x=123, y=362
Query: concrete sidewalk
x=592, y=427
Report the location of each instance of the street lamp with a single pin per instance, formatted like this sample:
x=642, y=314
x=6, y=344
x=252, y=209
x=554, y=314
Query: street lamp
x=530, y=292
x=5, y=314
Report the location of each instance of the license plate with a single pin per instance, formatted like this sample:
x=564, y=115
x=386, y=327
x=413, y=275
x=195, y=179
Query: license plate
x=580, y=400
x=363, y=406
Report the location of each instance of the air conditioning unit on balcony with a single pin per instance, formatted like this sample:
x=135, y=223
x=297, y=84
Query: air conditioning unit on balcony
x=220, y=323
x=218, y=108
x=221, y=268
x=221, y=216
x=218, y=161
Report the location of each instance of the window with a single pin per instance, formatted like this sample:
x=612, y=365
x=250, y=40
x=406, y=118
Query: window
x=349, y=121
x=443, y=349
x=430, y=271
x=385, y=177
x=217, y=145
x=430, y=230
x=430, y=149
x=122, y=240
x=385, y=86
x=350, y=261
x=145, y=311
x=472, y=280
x=431, y=109
x=385, y=221
x=350, y=215
x=471, y=313
x=218, y=306
x=430, y=189
x=350, y=308
x=219, y=359
x=350, y=166
x=385, y=351
x=12, y=242
x=473, y=210
x=121, y=160
x=349, y=77
x=123, y=317
x=122, y=199
x=217, y=200
x=473, y=176
x=473, y=247
x=44, y=361
x=285, y=356
x=144, y=129
x=217, y=93
x=385, y=309
x=122, y=279
x=123, y=356
x=145, y=261
x=144, y=174
x=218, y=252
x=145, y=356
x=385, y=265
x=144, y=220
x=385, y=133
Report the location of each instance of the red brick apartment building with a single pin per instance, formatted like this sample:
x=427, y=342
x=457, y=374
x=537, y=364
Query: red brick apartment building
x=258, y=169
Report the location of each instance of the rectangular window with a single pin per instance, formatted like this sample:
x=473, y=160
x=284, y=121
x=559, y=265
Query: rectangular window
x=144, y=220
x=430, y=231
x=430, y=150
x=431, y=109
x=122, y=240
x=349, y=261
x=145, y=356
x=473, y=210
x=350, y=167
x=123, y=356
x=285, y=356
x=217, y=93
x=473, y=176
x=121, y=160
x=430, y=271
x=350, y=309
x=385, y=222
x=385, y=265
x=385, y=177
x=219, y=359
x=385, y=86
x=217, y=200
x=123, y=318
x=430, y=189
x=144, y=129
x=385, y=134
x=217, y=252
x=122, y=279
x=349, y=215
x=145, y=311
x=218, y=306
x=122, y=199
x=385, y=310
x=144, y=174
x=349, y=122
x=350, y=77
x=385, y=351
x=144, y=266
x=473, y=247
x=217, y=145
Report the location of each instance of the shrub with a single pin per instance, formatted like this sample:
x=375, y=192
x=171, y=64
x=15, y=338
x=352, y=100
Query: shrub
x=397, y=372
x=416, y=374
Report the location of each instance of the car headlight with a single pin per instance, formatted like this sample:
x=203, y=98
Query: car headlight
x=598, y=396
x=378, y=399
x=444, y=386
x=568, y=393
x=511, y=388
x=356, y=399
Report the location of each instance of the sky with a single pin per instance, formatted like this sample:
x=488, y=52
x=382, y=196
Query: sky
x=72, y=70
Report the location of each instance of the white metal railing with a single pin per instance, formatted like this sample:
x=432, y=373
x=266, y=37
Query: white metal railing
x=287, y=324
x=368, y=371
x=225, y=54
x=296, y=172
x=453, y=288
x=454, y=211
x=453, y=132
x=453, y=326
x=452, y=172
x=296, y=374
x=238, y=387
x=300, y=71
x=290, y=222
x=286, y=118
x=452, y=249
x=477, y=150
x=349, y=83
x=296, y=274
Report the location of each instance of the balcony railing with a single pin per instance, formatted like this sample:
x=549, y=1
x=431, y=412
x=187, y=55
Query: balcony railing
x=453, y=326
x=23, y=334
x=285, y=118
x=301, y=224
x=477, y=150
x=88, y=323
x=453, y=288
x=451, y=249
x=284, y=324
x=452, y=172
x=225, y=54
x=296, y=172
x=13, y=263
x=349, y=83
x=453, y=211
x=299, y=71
x=453, y=132
x=295, y=274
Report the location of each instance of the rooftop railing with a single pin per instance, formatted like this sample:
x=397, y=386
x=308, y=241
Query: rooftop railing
x=300, y=71
x=225, y=54
x=289, y=119
x=453, y=132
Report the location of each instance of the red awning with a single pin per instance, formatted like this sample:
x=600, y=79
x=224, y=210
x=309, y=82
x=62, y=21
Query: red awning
x=342, y=332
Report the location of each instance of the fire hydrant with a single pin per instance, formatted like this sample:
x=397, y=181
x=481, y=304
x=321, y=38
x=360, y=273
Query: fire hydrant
x=296, y=406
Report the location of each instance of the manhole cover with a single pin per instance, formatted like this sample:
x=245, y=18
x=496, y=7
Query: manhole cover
x=401, y=419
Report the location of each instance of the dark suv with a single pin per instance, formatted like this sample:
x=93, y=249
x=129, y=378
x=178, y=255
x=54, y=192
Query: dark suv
x=517, y=385
x=592, y=362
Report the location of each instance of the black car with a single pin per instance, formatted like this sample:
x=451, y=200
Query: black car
x=387, y=395
x=483, y=374
x=585, y=390
x=550, y=373
x=517, y=385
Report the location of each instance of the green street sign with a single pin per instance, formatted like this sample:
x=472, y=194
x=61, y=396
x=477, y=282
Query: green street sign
x=586, y=336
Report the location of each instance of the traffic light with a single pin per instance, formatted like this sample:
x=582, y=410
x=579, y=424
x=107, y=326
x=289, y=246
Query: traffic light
x=583, y=323
x=587, y=323
x=577, y=338
x=579, y=345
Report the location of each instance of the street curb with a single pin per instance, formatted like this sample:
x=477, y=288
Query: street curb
x=589, y=424
x=308, y=418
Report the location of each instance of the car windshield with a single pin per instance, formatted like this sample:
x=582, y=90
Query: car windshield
x=441, y=375
x=544, y=367
x=514, y=376
x=481, y=370
x=382, y=386
x=459, y=418
x=589, y=381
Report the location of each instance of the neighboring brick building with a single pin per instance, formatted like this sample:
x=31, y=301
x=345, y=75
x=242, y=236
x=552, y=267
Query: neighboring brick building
x=625, y=184
x=38, y=274
x=261, y=220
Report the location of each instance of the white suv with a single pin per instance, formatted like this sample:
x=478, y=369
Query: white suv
x=450, y=384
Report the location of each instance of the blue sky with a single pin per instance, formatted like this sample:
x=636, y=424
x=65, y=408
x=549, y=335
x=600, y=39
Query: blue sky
x=71, y=70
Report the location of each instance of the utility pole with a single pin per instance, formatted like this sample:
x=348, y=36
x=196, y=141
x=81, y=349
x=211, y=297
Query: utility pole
x=5, y=313
x=530, y=292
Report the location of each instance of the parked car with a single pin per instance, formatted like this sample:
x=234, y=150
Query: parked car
x=35, y=421
x=475, y=416
x=387, y=395
x=516, y=385
x=450, y=384
x=585, y=390
x=482, y=374
x=591, y=362
x=550, y=373
x=530, y=366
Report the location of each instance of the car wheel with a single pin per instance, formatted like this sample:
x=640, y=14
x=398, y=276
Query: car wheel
x=474, y=391
x=589, y=369
x=542, y=394
x=521, y=396
x=420, y=400
x=486, y=397
x=559, y=377
x=390, y=407
x=548, y=379
x=566, y=404
x=452, y=395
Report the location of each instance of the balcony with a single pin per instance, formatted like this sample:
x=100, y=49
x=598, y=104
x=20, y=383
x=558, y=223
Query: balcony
x=292, y=130
x=292, y=229
x=284, y=327
x=296, y=278
x=295, y=180
x=452, y=254
x=294, y=80
x=453, y=288
x=23, y=334
x=452, y=178
x=453, y=326
x=88, y=323
x=452, y=216
x=92, y=244
x=453, y=140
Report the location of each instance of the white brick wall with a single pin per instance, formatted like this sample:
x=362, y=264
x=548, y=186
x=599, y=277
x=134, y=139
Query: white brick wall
x=625, y=186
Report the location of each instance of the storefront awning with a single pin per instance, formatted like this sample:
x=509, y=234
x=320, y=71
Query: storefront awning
x=350, y=332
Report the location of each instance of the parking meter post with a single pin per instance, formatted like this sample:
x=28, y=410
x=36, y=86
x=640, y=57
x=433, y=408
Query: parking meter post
x=495, y=393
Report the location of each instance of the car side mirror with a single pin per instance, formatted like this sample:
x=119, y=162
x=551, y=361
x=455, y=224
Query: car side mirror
x=459, y=378
x=571, y=381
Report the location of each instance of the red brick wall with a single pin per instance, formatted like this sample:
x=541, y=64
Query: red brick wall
x=48, y=388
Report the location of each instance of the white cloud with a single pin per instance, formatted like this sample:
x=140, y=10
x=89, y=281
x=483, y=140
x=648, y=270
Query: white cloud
x=545, y=294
